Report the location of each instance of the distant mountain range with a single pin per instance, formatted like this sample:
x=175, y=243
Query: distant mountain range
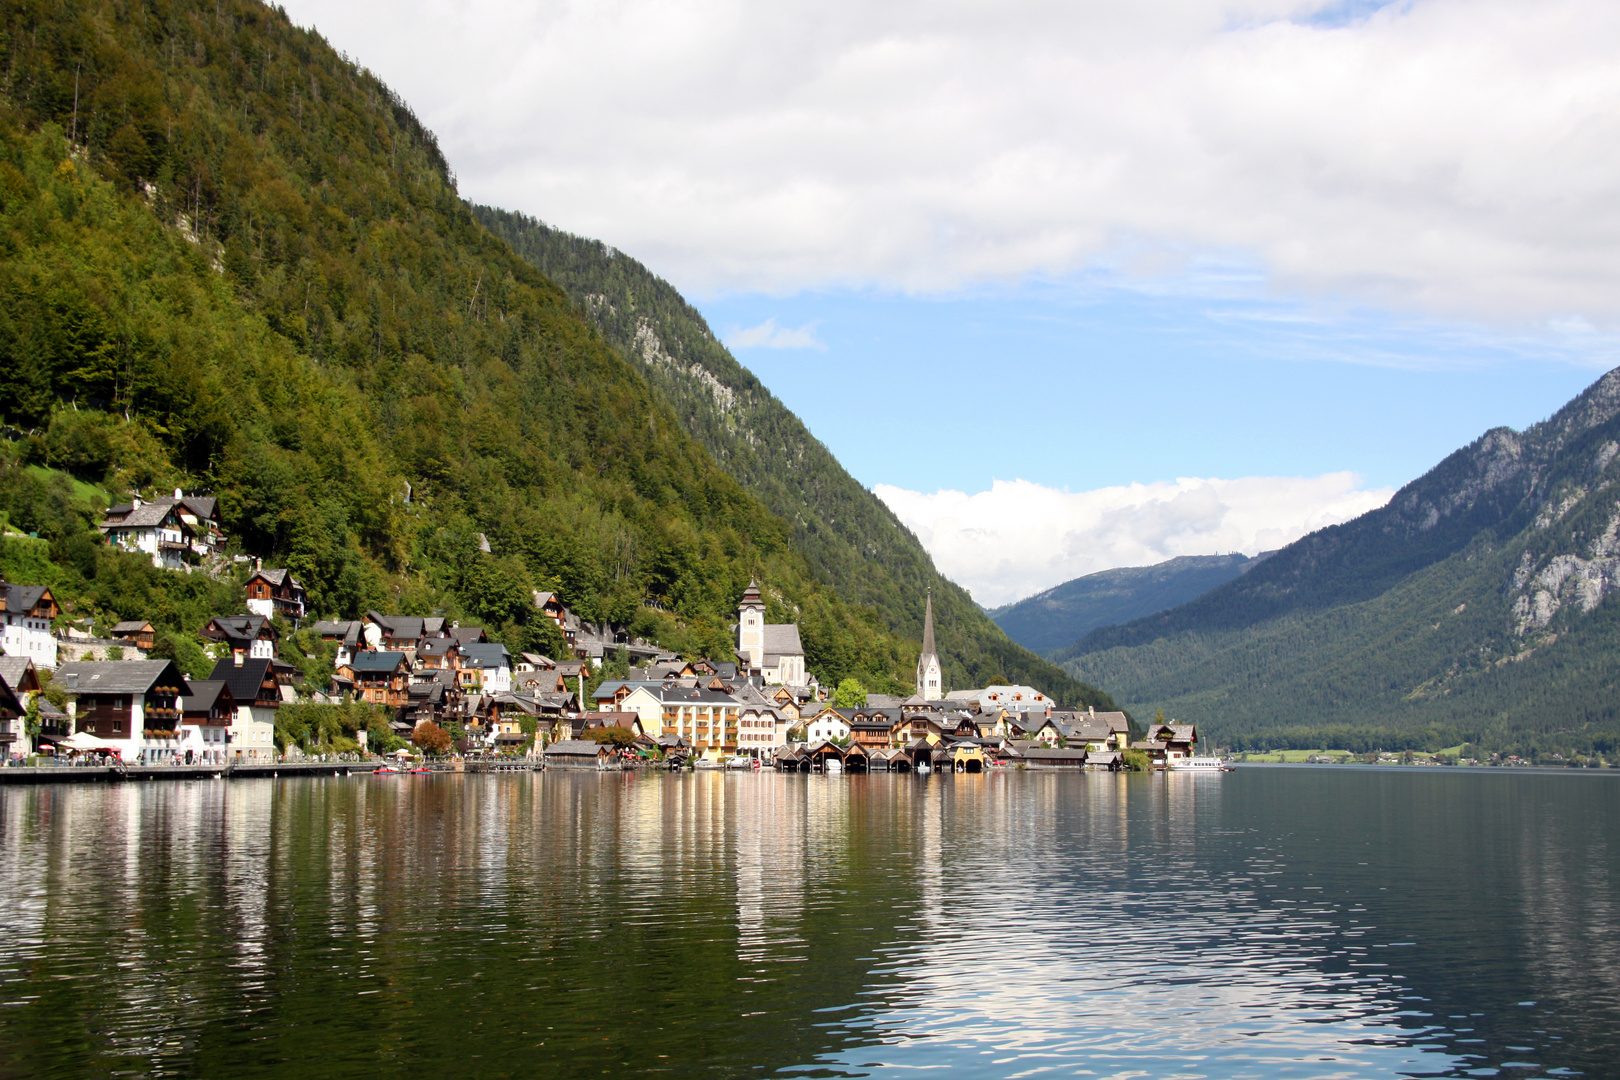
x=1477, y=606
x=1063, y=614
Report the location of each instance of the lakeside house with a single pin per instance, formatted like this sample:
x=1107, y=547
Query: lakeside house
x=131, y=705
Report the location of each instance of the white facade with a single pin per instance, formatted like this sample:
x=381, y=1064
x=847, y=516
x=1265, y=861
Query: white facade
x=827, y=724
x=265, y=607
x=759, y=731
x=27, y=635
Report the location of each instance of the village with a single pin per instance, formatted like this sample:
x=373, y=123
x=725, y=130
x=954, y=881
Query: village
x=456, y=696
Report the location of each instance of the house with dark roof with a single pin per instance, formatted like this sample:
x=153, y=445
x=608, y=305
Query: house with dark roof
x=255, y=689
x=348, y=633
x=251, y=636
x=207, y=711
x=177, y=533
x=132, y=704
x=491, y=664
x=381, y=678
x=273, y=591
x=25, y=622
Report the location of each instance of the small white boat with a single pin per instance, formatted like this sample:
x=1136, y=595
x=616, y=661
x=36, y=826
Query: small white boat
x=1198, y=764
x=834, y=765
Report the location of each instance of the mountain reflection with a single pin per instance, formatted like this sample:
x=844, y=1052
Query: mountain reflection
x=1266, y=923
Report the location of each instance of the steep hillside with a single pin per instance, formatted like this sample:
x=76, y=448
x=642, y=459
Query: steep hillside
x=850, y=538
x=1065, y=613
x=234, y=261
x=1478, y=606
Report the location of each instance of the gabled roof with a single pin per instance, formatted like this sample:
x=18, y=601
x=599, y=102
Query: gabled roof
x=237, y=628
x=132, y=626
x=145, y=516
x=782, y=639
x=244, y=679
x=274, y=577
x=469, y=635
x=436, y=646
x=203, y=694
x=118, y=676
x=21, y=599
x=486, y=654
x=19, y=674
x=573, y=748
x=378, y=661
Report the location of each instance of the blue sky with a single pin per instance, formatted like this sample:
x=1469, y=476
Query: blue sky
x=1075, y=387
x=1073, y=286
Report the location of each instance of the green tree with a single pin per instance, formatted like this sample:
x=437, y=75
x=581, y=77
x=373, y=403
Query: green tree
x=612, y=736
x=850, y=695
x=1135, y=760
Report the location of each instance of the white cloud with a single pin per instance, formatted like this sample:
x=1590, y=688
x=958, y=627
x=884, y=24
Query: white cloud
x=1448, y=156
x=767, y=335
x=1019, y=538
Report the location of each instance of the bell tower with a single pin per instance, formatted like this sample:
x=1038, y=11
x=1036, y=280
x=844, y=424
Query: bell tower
x=930, y=680
x=751, y=626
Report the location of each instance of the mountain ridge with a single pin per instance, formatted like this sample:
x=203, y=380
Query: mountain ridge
x=1477, y=606
x=1060, y=616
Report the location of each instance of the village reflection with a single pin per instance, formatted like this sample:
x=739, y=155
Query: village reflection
x=761, y=920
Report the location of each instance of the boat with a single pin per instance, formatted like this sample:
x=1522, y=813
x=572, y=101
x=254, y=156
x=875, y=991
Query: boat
x=1199, y=765
x=707, y=763
x=385, y=770
x=833, y=765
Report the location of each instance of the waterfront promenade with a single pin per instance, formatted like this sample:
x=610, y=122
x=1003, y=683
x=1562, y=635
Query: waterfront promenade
x=93, y=774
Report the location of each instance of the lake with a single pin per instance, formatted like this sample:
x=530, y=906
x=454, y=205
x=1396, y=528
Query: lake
x=1281, y=922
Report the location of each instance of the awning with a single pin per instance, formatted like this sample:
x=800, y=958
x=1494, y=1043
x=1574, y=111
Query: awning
x=83, y=740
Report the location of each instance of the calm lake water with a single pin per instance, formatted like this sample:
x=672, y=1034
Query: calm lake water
x=1266, y=923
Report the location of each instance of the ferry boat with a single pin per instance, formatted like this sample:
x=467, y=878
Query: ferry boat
x=1199, y=764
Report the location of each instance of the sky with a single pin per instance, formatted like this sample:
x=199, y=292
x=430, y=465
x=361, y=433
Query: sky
x=1074, y=285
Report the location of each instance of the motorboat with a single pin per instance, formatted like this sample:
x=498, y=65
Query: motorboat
x=1198, y=765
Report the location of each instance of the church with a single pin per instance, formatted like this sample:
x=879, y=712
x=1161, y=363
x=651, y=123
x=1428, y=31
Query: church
x=775, y=652
x=772, y=649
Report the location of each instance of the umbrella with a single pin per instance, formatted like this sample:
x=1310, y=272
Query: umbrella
x=402, y=752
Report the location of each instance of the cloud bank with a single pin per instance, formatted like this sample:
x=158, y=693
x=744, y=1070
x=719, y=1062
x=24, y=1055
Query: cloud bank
x=1019, y=538
x=767, y=335
x=1452, y=157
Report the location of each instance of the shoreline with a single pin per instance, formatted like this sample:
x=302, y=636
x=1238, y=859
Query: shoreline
x=108, y=774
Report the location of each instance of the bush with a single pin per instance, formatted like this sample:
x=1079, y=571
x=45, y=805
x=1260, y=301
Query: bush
x=1135, y=760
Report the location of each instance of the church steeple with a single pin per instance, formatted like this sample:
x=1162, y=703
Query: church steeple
x=930, y=681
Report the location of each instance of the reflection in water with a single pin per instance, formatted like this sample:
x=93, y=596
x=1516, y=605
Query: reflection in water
x=1268, y=923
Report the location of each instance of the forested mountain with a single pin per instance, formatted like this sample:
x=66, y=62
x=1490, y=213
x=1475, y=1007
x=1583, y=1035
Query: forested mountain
x=1065, y=613
x=853, y=542
x=1477, y=606
x=234, y=261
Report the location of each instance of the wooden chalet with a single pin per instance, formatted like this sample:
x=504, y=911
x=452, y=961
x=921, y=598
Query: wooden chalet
x=137, y=632
x=381, y=678
x=276, y=592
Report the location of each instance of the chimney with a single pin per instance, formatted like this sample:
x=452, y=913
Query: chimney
x=135, y=501
x=177, y=494
x=236, y=657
